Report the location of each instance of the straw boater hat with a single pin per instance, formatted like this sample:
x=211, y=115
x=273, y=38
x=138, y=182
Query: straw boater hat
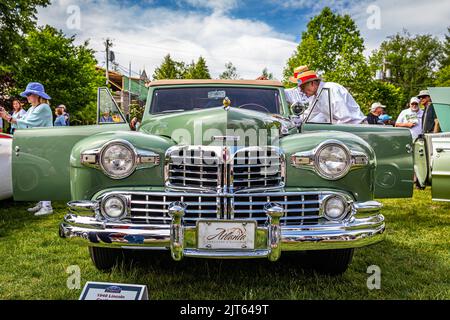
x=303, y=75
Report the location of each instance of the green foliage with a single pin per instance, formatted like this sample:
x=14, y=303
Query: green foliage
x=67, y=71
x=445, y=60
x=443, y=75
x=385, y=93
x=332, y=44
x=171, y=69
x=16, y=18
x=230, y=72
x=266, y=74
x=136, y=111
x=413, y=61
x=197, y=70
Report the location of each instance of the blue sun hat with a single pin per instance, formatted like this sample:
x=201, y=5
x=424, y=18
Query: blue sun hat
x=35, y=88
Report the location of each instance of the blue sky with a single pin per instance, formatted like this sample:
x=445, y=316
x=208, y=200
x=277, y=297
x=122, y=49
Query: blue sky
x=252, y=34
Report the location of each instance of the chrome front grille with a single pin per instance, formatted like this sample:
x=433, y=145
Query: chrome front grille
x=219, y=169
x=194, y=168
x=299, y=208
x=257, y=168
x=152, y=208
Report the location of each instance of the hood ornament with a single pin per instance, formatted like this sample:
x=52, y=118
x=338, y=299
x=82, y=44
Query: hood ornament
x=226, y=103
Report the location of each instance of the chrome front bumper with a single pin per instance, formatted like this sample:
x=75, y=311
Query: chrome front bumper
x=365, y=227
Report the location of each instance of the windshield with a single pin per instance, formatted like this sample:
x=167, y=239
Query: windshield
x=187, y=99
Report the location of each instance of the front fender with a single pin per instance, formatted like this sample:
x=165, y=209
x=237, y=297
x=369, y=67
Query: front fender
x=86, y=181
x=359, y=182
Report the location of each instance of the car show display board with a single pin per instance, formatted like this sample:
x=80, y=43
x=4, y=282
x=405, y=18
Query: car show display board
x=113, y=291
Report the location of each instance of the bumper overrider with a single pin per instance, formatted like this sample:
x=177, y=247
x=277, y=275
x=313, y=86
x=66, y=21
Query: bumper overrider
x=363, y=225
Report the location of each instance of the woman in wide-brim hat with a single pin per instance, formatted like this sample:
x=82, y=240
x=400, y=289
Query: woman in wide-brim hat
x=39, y=115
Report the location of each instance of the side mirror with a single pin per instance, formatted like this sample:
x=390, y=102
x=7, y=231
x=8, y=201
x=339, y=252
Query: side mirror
x=298, y=108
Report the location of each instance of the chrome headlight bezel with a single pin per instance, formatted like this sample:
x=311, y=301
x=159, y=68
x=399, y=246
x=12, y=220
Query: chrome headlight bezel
x=142, y=158
x=347, y=204
x=134, y=159
x=327, y=175
x=126, y=207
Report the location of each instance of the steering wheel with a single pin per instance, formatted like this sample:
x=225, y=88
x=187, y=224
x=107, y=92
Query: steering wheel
x=254, y=104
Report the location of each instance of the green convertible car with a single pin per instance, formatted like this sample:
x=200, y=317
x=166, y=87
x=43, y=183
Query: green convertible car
x=222, y=169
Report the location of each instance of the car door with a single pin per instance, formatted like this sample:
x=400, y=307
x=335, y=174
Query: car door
x=440, y=167
x=41, y=156
x=393, y=147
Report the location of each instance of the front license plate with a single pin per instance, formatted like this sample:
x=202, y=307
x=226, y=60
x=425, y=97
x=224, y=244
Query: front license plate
x=226, y=235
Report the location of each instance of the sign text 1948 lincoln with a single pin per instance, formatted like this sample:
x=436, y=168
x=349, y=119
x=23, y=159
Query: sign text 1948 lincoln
x=217, y=169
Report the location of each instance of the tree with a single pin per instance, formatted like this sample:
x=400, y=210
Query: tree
x=445, y=60
x=443, y=75
x=67, y=71
x=332, y=45
x=413, y=61
x=197, y=70
x=16, y=18
x=169, y=69
x=265, y=74
x=230, y=72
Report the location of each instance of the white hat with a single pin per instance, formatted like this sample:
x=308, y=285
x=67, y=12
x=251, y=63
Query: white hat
x=414, y=99
x=376, y=105
x=423, y=93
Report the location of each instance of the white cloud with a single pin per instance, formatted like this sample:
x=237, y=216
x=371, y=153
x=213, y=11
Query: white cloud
x=417, y=16
x=145, y=35
x=215, y=5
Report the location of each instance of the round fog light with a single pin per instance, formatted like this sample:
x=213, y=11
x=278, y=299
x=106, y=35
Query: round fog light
x=113, y=207
x=335, y=208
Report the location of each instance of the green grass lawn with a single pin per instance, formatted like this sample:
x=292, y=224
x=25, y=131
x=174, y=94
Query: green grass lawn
x=414, y=261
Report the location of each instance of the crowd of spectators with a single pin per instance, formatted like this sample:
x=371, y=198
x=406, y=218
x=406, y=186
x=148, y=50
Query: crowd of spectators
x=418, y=120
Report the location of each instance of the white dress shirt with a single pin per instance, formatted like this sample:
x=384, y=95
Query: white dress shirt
x=344, y=109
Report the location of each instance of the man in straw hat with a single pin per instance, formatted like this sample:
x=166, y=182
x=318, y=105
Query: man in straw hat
x=344, y=108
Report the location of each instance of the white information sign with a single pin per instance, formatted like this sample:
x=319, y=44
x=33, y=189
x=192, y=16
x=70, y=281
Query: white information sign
x=113, y=291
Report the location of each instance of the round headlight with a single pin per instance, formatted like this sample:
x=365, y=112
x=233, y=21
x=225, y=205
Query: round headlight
x=333, y=161
x=118, y=160
x=113, y=207
x=335, y=208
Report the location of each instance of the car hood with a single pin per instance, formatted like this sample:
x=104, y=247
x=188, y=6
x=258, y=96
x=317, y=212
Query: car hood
x=200, y=126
